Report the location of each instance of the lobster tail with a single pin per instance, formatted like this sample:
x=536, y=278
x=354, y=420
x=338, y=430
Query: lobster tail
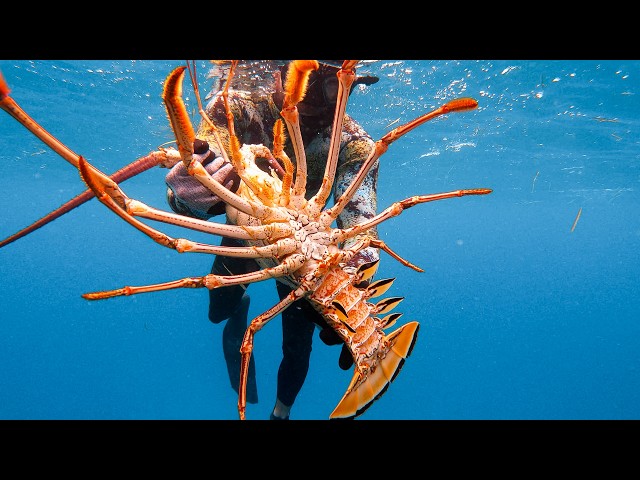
x=362, y=392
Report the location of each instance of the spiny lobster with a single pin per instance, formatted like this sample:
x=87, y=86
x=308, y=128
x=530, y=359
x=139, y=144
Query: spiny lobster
x=291, y=237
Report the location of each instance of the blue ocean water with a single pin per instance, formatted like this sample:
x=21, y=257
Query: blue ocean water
x=521, y=317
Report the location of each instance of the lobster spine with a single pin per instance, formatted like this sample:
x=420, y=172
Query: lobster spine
x=343, y=305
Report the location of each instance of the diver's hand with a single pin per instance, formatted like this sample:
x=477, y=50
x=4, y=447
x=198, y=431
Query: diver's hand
x=187, y=196
x=330, y=337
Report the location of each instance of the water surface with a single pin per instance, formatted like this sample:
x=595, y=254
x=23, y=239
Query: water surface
x=521, y=317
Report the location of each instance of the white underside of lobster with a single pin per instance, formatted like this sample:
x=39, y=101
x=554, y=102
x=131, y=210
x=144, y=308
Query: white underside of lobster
x=324, y=279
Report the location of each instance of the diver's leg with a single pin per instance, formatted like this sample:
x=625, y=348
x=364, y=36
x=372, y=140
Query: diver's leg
x=297, y=336
x=233, y=303
x=231, y=340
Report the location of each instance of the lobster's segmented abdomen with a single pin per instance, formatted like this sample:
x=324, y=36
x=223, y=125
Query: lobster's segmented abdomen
x=378, y=357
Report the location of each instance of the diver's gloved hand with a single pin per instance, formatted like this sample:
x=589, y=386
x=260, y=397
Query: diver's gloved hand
x=329, y=336
x=187, y=196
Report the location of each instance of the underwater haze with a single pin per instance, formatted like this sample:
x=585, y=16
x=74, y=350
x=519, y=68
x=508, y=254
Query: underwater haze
x=529, y=303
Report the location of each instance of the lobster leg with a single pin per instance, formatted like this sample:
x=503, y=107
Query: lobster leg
x=158, y=157
x=249, y=232
x=458, y=105
x=246, y=348
x=278, y=152
x=179, y=119
x=10, y=106
x=191, y=66
x=210, y=281
x=398, y=207
x=104, y=189
x=346, y=76
x=295, y=87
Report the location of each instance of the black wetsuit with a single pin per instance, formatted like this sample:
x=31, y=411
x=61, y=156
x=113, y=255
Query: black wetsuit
x=297, y=329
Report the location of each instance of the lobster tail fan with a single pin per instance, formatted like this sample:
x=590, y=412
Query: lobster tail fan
x=361, y=393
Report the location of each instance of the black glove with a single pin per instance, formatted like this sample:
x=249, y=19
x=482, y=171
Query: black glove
x=187, y=196
x=329, y=336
